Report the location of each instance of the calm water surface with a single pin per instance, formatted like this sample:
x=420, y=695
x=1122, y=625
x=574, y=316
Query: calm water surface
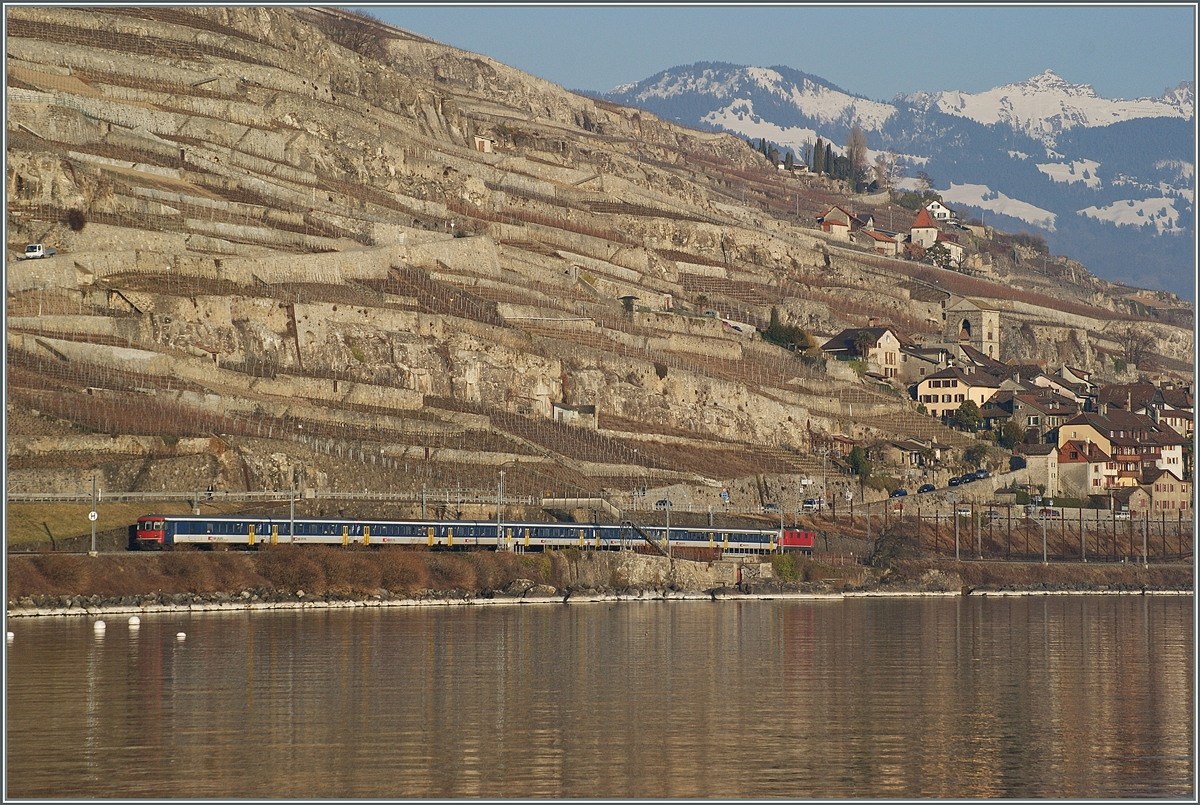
x=1065, y=697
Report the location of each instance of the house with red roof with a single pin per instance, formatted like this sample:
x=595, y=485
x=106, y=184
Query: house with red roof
x=839, y=222
x=876, y=242
x=924, y=230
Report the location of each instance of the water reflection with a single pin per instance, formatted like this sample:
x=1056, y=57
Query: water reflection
x=1073, y=696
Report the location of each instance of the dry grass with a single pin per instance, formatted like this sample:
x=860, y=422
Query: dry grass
x=31, y=525
x=997, y=575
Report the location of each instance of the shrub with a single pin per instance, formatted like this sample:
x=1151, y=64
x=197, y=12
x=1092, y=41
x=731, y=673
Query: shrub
x=348, y=570
x=288, y=567
x=450, y=572
x=192, y=569
x=76, y=220
x=403, y=570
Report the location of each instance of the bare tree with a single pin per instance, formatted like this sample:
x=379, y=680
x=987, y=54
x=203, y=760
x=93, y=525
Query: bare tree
x=1136, y=344
x=856, y=152
x=924, y=182
x=888, y=169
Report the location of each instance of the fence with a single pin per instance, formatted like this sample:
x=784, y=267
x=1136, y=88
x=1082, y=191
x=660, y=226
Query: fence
x=1098, y=536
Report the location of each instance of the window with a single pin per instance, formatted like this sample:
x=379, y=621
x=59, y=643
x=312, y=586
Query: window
x=922, y=370
x=1033, y=420
x=945, y=398
x=958, y=398
x=953, y=384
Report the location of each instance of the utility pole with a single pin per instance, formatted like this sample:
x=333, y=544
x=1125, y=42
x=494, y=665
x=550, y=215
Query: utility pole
x=670, y=554
x=1044, y=561
x=93, y=516
x=499, y=508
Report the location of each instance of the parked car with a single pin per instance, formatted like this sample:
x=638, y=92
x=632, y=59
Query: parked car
x=966, y=479
x=1120, y=515
x=981, y=474
x=663, y=504
x=899, y=493
x=923, y=488
x=1049, y=514
x=812, y=504
x=992, y=514
x=963, y=511
x=955, y=481
x=770, y=508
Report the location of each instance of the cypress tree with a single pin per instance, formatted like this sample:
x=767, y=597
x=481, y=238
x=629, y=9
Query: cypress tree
x=829, y=158
x=818, y=157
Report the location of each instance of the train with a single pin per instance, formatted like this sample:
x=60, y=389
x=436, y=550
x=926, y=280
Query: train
x=160, y=531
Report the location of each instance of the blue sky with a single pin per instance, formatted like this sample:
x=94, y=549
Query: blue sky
x=877, y=51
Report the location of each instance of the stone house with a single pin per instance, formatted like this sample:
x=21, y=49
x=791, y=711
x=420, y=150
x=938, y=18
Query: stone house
x=1133, y=499
x=1041, y=466
x=581, y=415
x=876, y=241
x=973, y=322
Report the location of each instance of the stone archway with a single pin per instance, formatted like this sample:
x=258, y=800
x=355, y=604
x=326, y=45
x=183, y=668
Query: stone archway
x=964, y=331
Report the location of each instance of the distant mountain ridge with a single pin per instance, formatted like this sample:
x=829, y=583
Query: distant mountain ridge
x=1108, y=182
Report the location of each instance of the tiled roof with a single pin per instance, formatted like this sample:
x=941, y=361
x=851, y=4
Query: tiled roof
x=1141, y=393
x=924, y=220
x=845, y=339
x=974, y=379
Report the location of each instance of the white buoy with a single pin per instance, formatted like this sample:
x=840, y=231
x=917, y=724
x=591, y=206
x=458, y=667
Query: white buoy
x=135, y=622
x=99, y=626
x=180, y=636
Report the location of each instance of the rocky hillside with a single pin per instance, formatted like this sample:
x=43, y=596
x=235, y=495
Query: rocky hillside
x=299, y=248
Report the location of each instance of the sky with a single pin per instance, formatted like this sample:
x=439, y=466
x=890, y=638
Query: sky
x=1123, y=51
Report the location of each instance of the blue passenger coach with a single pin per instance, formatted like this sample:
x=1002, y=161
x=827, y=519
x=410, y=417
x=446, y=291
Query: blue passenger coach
x=167, y=530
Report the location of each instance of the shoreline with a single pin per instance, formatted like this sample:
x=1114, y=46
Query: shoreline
x=92, y=610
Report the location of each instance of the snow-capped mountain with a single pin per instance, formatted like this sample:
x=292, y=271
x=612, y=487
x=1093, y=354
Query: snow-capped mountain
x=1045, y=106
x=1108, y=182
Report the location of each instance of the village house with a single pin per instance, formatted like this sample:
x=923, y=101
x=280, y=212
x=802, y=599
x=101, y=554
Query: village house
x=943, y=392
x=839, y=223
x=957, y=252
x=917, y=362
x=1134, y=441
x=883, y=352
x=924, y=230
x=1133, y=499
x=1041, y=467
x=940, y=212
x=581, y=415
x=1084, y=469
x=1169, y=494
x=876, y=242
x=913, y=453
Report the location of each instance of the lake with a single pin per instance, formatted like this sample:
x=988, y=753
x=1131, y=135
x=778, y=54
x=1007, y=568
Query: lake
x=1075, y=696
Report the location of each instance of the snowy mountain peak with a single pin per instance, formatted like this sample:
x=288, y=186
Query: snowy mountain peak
x=1050, y=80
x=1047, y=105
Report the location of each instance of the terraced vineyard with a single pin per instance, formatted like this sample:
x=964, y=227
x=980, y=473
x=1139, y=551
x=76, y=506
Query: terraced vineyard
x=304, y=250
